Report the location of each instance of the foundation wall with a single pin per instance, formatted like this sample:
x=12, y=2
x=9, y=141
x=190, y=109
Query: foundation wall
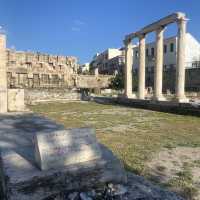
x=44, y=94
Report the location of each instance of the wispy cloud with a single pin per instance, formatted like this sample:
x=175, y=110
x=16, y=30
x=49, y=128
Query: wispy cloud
x=76, y=29
x=78, y=25
x=2, y=30
x=79, y=22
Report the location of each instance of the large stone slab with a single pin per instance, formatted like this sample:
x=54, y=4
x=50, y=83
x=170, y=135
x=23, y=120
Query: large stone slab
x=20, y=177
x=60, y=148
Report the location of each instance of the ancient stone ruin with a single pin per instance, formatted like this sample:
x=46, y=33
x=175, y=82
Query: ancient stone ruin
x=27, y=77
x=36, y=70
x=159, y=27
x=44, y=159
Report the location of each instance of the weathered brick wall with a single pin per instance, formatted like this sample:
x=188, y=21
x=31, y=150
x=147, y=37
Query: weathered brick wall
x=36, y=70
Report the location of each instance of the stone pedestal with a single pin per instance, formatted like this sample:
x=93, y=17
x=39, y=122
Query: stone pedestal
x=3, y=76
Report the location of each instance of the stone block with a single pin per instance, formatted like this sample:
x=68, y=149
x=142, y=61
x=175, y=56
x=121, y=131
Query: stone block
x=16, y=100
x=61, y=148
x=3, y=100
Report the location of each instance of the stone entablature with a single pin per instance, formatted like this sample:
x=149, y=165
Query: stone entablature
x=33, y=70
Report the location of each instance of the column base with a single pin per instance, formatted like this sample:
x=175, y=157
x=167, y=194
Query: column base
x=130, y=96
x=181, y=100
x=141, y=97
x=161, y=98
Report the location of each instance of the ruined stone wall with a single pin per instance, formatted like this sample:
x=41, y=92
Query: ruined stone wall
x=34, y=95
x=36, y=70
x=92, y=81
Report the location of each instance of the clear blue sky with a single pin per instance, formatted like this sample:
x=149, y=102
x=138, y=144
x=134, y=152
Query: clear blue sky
x=84, y=27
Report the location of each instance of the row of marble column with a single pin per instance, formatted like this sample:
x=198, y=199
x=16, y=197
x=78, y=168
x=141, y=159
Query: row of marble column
x=158, y=72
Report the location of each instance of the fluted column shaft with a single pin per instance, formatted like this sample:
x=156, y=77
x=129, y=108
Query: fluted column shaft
x=158, y=72
x=180, y=68
x=3, y=76
x=141, y=85
x=128, y=68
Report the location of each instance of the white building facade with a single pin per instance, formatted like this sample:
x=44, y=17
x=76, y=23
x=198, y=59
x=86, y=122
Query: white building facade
x=170, y=53
x=84, y=67
x=108, y=61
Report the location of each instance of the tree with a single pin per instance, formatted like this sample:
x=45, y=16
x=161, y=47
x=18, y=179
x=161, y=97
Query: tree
x=117, y=82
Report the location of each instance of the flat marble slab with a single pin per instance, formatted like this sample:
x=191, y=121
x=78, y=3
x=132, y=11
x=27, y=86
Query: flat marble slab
x=65, y=147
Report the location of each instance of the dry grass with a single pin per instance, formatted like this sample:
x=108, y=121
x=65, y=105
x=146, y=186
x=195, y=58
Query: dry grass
x=134, y=135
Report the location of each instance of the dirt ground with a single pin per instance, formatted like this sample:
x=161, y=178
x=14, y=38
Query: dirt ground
x=176, y=167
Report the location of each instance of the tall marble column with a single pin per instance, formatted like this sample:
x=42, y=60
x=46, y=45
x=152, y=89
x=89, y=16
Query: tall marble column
x=158, y=72
x=141, y=84
x=3, y=76
x=180, y=68
x=128, y=68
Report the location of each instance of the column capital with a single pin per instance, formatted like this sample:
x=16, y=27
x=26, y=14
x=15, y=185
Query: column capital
x=141, y=36
x=182, y=20
x=127, y=42
x=161, y=28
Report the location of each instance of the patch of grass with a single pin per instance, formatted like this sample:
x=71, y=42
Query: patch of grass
x=134, y=135
x=183, y=183
x=183, y=187
x=185, y=175
x=196, y=163
x=147, y=131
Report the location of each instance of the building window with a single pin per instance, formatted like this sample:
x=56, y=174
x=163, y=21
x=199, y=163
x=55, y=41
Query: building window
x=29, y=65
x=147, y=52
x=136, y=54
x=152, y=52
x=171, y=47
x=12, y=62
x=171, y=66
x=165, y=48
